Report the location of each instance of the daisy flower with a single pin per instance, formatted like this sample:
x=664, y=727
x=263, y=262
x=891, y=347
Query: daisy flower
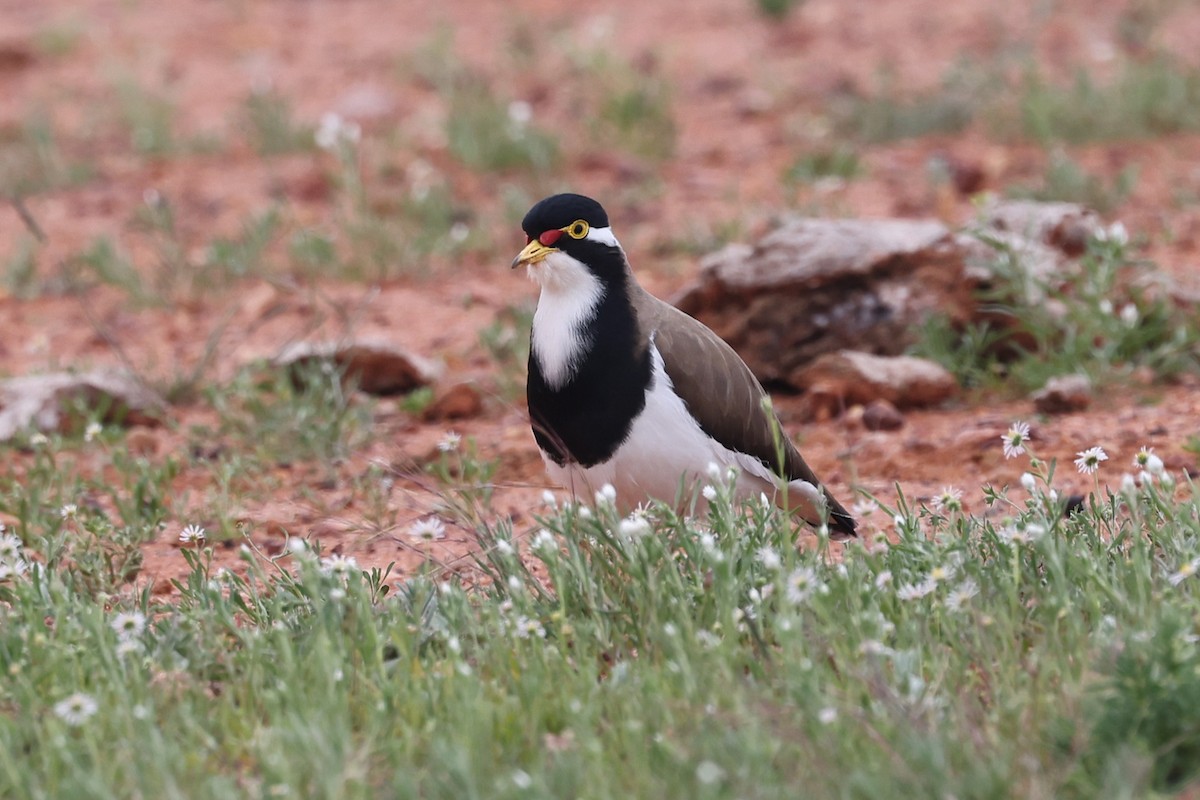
x=949, y=500
x=429, y=529
x=339, y=565
x=1184, y=572
x=192, y=534
x=449, y=442
x=1015, y=439
x=769, y=558
x=801, y=584
x=1147, y=461
x=129, y=624
x=76, y=709
x=1088, y=461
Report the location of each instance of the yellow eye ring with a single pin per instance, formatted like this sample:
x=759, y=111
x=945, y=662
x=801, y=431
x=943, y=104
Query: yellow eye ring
x=577, y=229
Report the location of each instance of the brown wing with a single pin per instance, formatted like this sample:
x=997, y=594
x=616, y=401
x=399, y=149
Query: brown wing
x=724, y=396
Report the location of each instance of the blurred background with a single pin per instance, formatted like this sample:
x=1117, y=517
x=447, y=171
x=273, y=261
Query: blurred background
x=370, y=140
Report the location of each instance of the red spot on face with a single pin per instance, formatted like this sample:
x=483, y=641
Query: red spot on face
x=550, y=237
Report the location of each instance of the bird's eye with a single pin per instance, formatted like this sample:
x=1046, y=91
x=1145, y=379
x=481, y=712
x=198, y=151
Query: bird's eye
x=577, y=229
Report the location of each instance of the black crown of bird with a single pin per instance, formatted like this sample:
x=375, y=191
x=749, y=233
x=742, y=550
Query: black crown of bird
x=627, y=390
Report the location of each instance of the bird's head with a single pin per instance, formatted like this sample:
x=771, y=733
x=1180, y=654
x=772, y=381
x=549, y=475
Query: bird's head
x=569, y=242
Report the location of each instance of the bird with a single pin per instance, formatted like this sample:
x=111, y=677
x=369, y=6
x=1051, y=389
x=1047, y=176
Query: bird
x=625, y=390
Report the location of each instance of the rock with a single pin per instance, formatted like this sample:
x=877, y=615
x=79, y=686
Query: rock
x=47, y=402
x=816, y=286
x=459, y=401
x=838, y=380
x=880, y=415
x=1066, y=227
x=375, y=367
x=1064, y=394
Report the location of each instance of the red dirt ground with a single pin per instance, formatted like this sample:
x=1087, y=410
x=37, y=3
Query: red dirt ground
x=747, y=96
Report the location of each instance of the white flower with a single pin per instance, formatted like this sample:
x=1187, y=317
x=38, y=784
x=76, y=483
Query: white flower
x=504, y=547
x=827, y=715
x=129, y=624
x=801, y=584
x=339, y=565
x=1028, y=481
x=129, y=647
x=864, y=508
x=714, y=471
x=38, y=440
x=92, y=430
x=709, y=772
x=883, y=579
x=1015, y=439
x=449, y=443
x=1129, y=315
x=429, y=529
x=12, y=569
x=606, y=495
x=548, y=499
x=520, y=112
x=76, y=709
x=915, y=591
x=296, y=546
x=635, y=526
x=192, y=533
x=949, y=500
x=10, y=546
x=961, y=595
x=527, y=627
x=333, y=130
x=709, y=491
x=900, y=522
x=1147, y=461
x=1184, y=572
x=1088, y=461
x=872, y=647
x=459, y=232
x=514, y=583
x=940, y=573
x=521, y=779
x=769, y=558
x=1116, y=233
x=68, y=511
x=1106, y=307
x=544, y=540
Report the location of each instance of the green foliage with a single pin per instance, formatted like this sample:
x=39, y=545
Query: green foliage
x=777, y=10
x=1066, y=180
x=148, y=117
x=486, y=132
x=31, y=160
x=839, y=162
x=506, y=340
x=271, y=128
x=1094, y=321
x=1021, y=652
x=283, y=416
x=1155, y=97
x=887, y=116
x=629, y=108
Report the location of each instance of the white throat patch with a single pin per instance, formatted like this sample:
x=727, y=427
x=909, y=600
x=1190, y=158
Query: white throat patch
x=570, y=293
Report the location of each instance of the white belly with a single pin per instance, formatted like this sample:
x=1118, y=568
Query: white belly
x=666, y=457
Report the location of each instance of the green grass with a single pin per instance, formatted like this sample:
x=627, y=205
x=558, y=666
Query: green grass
x=1093, y=320
x=1154, y=97
x=1065, y=180
x=1022, y=653
x=32, y=160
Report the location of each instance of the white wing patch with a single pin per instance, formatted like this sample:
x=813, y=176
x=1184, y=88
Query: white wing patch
x=570, y=293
